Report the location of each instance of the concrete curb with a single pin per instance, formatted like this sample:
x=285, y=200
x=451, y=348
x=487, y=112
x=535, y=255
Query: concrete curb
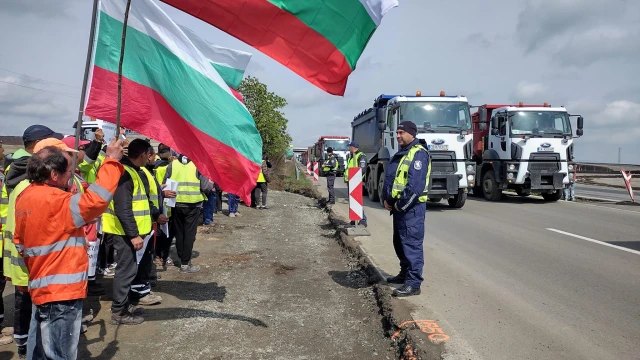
x=410, y=342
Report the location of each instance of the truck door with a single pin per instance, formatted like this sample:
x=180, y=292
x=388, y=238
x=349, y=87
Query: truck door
x=390, y=134
x=499, y=141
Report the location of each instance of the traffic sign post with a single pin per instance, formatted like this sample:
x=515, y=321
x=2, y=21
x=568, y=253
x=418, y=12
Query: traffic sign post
x=316, y=173
x=627, y=183
x=356, y=210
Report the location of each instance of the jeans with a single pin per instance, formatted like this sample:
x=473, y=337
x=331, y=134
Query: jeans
x=569, y=191
x=233, y=203
x=208, y=208
x=55, y=330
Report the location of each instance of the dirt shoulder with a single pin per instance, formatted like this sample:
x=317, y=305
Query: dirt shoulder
x=274, y=284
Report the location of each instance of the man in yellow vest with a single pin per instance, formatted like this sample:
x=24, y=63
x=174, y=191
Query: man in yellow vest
x=356, y=158
x=163, y=242
x=186, y=214
x=330, y=168
x=127, y=221
x=405, y=195
x=13, y=266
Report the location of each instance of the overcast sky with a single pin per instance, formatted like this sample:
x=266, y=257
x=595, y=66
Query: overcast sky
x=583, y=54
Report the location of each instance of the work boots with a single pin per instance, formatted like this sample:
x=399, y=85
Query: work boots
x=125, y=317
x=149, y=299
x=186, y=269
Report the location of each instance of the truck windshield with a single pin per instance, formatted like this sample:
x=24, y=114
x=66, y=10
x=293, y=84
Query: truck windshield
x=337, y=145
x=542, y=123
x=437, y=116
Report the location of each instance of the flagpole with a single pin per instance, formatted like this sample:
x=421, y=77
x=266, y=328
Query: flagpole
x=87, y=67
x=124, y=40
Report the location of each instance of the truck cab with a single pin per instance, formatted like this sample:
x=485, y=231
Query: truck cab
x=444, y=122
x=340, y=146
x=526, y=148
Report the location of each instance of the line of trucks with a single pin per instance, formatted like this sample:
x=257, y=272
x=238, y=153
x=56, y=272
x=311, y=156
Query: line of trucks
x=521, y=147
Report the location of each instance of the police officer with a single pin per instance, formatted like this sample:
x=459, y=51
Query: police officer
x=330, y=167
x=405, y=194
x=356, y=159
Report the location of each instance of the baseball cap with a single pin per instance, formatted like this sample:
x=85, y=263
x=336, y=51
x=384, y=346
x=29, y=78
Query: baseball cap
x=354, y=144
x=55, y=143
x=39, y=132
x=70, y=141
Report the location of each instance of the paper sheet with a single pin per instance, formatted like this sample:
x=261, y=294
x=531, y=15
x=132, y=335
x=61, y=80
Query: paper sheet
x=140, y=252
x=165, y=227
x=173, y=186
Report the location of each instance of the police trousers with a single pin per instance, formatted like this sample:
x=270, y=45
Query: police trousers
x=331, y=179
x=408, y=238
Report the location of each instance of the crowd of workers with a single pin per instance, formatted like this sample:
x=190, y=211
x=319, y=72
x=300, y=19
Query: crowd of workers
x=114, y=200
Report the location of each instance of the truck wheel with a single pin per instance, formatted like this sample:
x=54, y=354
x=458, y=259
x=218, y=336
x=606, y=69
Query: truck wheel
x=380, y=186
x=458, y=201
x=433, y=200
x=554, y=196
x=372, y=193
x=490, y=187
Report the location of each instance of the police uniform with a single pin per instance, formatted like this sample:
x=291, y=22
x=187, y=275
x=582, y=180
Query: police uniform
x=405, y=190
x=357, y=160
x=330, y=167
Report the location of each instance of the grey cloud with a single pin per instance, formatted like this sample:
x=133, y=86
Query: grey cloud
x=529, y=92
x=601, y=43
x=40, y=8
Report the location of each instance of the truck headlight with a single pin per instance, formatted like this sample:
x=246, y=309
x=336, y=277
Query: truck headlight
x=512, y=167
x=470, y=178
x=570, y=167
x=510, y=176
x=469, y=168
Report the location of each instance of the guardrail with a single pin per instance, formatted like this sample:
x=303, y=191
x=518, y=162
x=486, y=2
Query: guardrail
x=606, y=168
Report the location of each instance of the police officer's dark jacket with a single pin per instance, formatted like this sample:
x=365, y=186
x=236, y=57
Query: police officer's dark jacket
x=417, y=177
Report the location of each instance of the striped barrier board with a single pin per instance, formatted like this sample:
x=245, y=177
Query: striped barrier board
x=627, y=183
x=316, y=172
x=355, y=193
x=308, y=168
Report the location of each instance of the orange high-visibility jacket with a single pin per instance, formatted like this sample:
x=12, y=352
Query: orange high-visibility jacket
x=49, y=234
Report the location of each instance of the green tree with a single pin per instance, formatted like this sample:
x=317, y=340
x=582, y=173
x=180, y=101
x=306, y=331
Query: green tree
x=266, y=109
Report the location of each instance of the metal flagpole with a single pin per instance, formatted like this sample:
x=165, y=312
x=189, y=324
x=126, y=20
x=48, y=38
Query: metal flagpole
x=124, y=40
x=85, y=80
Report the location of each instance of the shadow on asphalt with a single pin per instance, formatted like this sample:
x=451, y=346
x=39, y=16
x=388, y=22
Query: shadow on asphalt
x=174, y=313
x=183, y=290
x=515, y=199
x=352, y=279
x=633, y=245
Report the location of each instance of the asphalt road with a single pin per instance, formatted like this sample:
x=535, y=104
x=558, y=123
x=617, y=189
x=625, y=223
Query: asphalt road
x=524, y=279
x=604, y=192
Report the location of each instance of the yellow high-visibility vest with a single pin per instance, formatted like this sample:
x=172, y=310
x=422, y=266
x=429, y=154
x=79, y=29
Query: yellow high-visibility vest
x=188, y=182
x=402, y=174
x=139, y=206
x=14, y=266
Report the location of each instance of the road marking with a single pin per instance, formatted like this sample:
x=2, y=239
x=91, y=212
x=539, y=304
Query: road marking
x=595, y=241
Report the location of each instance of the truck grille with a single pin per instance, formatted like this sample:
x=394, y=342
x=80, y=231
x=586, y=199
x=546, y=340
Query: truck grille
x=544, y=162
x=443, y=161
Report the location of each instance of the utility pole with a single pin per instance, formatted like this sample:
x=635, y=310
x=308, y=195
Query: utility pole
x=619, y=155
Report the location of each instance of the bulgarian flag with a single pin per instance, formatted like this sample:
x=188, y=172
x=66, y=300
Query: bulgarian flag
x=320, y=40
x=171, y=93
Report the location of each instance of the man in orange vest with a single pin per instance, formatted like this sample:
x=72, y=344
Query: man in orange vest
x=49, y=235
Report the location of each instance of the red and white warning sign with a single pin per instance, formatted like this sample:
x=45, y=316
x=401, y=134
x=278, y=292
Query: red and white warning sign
x=355, y=193
x=627, y=183
x=316, y=172
x=308, y=167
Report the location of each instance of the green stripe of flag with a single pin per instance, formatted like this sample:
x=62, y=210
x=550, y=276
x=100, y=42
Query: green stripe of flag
x=231, y=76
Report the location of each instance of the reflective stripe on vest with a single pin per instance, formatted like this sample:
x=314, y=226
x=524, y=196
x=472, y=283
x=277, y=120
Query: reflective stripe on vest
x=402, y=174
x=57, y=279
x=56, y=246
x=334, y=168
x=139, y=205
x=352, y=162
x=153, y=188
x=14, y=265
x=188, y=182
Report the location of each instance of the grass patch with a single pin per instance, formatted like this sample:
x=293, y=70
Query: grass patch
x=284, y=179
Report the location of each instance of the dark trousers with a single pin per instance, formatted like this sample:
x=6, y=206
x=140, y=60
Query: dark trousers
x=186, y=226
x=106, y=252
x=163, y=242
x=218, y=201
x=3, y=283
x=408, y=238
x=260, y=188
x=141, y=285
x=22, y=317
x=126, y=272
x=331, y=179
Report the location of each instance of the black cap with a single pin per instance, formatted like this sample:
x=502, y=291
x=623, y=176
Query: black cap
x=329, y=149
x=39, y=132
x=409, y=127
x=354, y=144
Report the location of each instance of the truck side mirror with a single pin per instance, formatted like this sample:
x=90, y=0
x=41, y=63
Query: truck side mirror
x=382, y=125
x=580, y=122
x=579, y=132
x=494, y=123
x=482, y=126
x=494, y=131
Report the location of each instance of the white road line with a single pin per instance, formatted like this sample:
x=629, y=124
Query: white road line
x=595, y=241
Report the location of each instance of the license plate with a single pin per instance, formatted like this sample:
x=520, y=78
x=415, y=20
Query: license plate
x=438, y=147
x=545, y=149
